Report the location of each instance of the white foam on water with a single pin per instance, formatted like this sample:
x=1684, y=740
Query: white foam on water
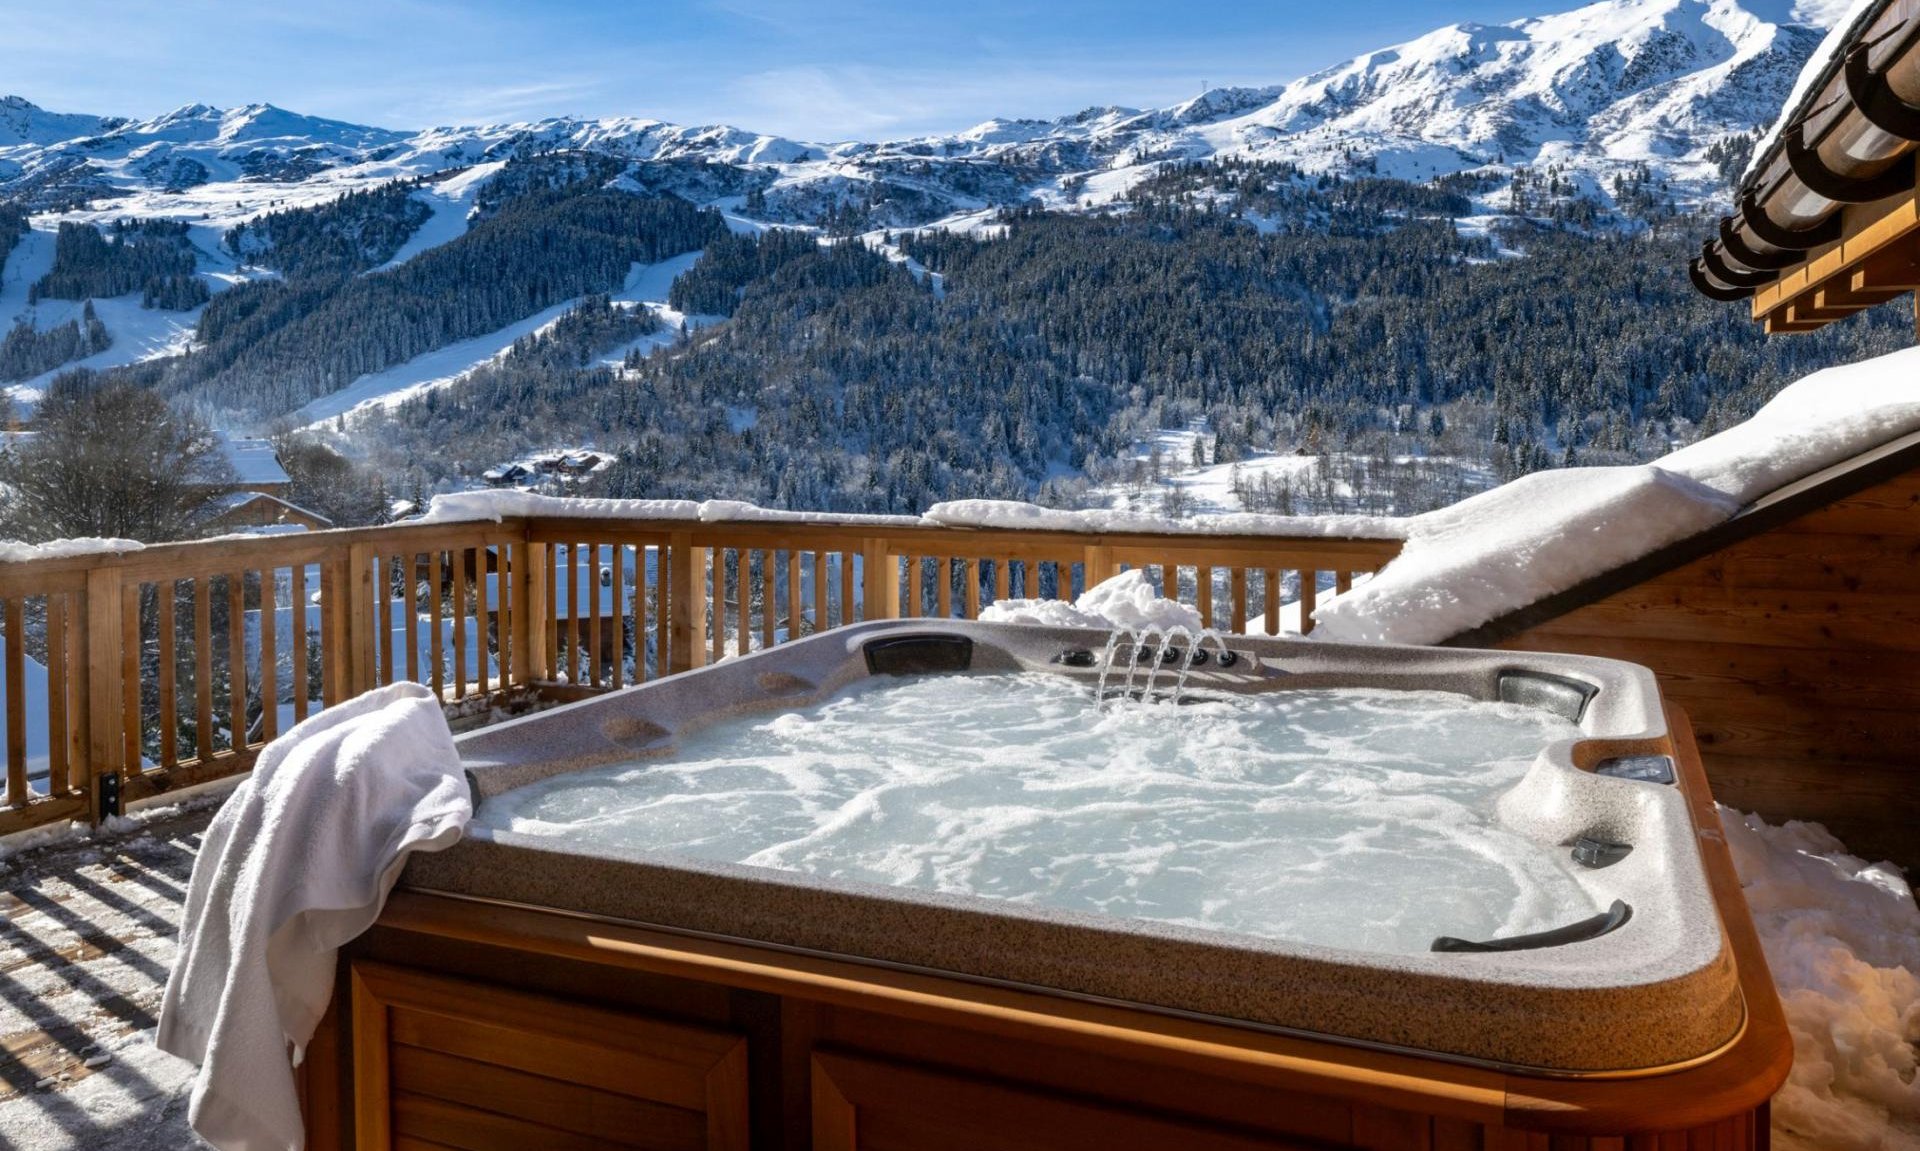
x=1354, y=818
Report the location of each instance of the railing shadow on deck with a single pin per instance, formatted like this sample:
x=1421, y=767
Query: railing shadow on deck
x=87, y=934
x=130, y=674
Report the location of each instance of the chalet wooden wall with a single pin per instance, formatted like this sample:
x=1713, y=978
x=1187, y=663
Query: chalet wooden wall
x=1797, y=654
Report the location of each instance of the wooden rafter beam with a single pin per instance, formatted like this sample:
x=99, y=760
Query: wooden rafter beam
x=1895, y=269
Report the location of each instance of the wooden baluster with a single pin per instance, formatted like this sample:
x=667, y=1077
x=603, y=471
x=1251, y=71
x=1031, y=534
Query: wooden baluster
x=689, y=602
x=525, y=587
x=849, y=611
x=59, y=740
x=297, y=615
x=505, y=562
x=585, y=599
x=769, y=589
x=970, y=595
x=436, y=618
x=552, y=638
x=237, y=661
x=1342, y=582
x=269, y=656
x=943, y=592
x=565, y=622
x=410, y=610
x=461, y=558
x=77, y=674
x=640, y=606
x=820, y=592
x=890, y=586
x=1239, y=576
x=169, y=707
x=102, y=685
x=662, y=617
x=594, y=625
x=916, y=576
x=617, y=604
x=719, y=600
x=1309, y=594
x=742, y=605
x=1002, y=578
x=1170, y=581
x=1270, y=586
x=1203, y=593
x=202, y=668
x=1096, y=565
x=793, y=594
x=17, y=794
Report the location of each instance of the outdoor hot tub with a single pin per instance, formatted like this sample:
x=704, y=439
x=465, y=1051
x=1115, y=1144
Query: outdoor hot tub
x=1485, y=861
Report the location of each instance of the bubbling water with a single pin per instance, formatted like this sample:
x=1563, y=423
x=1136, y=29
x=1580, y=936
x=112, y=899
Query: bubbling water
x=1355, y=818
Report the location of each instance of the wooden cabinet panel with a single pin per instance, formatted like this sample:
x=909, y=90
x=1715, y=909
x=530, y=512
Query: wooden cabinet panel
x=448, y=1063
x=866, y=1105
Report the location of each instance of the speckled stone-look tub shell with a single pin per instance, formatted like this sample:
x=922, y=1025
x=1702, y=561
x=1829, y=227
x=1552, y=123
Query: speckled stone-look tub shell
x=1658, y=991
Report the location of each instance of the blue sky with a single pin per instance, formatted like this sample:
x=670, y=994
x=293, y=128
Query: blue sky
x=831, y=70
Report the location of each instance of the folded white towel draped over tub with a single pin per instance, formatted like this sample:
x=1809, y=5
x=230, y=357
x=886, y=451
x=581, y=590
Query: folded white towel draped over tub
x=298, y=862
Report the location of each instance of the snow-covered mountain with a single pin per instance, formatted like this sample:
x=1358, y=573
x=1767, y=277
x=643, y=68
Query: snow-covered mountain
x=1593, y=92
x=1639, y=89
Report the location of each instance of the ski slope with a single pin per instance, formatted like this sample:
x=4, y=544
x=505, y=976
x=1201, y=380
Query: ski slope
x=646, y=286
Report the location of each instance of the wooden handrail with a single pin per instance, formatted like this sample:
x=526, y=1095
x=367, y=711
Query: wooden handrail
x=172, y=664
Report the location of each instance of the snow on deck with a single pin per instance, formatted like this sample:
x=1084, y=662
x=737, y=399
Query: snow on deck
x=90, y=926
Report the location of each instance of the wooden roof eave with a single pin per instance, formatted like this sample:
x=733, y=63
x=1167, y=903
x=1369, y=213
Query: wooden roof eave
x=1856, y=474
x=1850, y=143
x=1877, y=259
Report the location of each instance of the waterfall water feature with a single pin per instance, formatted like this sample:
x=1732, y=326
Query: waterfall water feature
x=1106, y=662
x=1194, y=647
x=1138, y=640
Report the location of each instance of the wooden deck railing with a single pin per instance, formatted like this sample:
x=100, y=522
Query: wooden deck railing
x=174, y=664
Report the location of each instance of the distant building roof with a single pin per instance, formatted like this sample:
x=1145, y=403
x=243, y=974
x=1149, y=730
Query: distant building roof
x=254, y=462
x=224, y=509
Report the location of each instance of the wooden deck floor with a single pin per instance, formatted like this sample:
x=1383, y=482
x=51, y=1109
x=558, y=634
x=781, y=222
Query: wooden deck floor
x=87, y=936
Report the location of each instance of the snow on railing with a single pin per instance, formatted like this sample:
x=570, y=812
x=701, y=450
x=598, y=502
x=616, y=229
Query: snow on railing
x=130, y=671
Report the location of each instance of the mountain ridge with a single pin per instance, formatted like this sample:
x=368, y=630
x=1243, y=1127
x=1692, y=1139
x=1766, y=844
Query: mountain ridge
x=1592, y=93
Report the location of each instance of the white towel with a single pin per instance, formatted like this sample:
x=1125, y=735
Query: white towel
x=298, y=862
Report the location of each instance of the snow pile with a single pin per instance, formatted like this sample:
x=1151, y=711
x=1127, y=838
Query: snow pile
x=499, y=504
x=1128, y=600
x=1544, y=533
x=14, y=551
x=737, y=511
x=1509, y=547
x=503, y=503
x=1031, y=517
x=1843, y=940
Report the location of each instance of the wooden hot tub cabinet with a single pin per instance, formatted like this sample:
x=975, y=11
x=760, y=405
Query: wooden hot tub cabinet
x=459, y=1024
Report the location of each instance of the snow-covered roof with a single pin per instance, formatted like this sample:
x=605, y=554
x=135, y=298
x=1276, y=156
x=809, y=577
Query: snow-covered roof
x=1548, y=532
x=254, y=461
x=227, y=502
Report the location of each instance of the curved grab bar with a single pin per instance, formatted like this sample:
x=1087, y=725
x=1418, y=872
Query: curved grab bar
x=1592, y=928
